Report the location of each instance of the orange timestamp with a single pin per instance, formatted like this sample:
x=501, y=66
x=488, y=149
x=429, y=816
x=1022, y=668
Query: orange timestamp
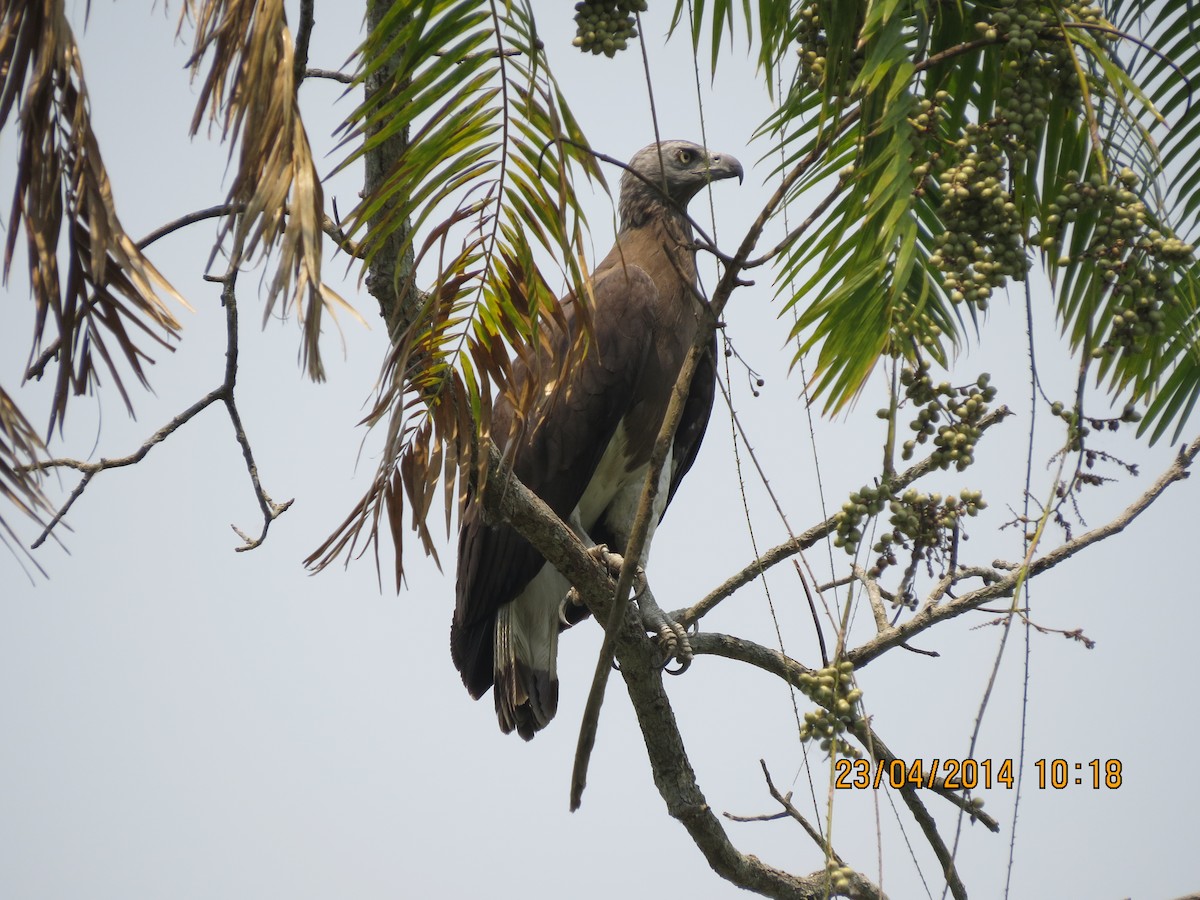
x=972, y=774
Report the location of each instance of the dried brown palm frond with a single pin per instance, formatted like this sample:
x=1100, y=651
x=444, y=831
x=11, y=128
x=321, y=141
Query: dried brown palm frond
x=250, y=89
x=494, y=143
x=19, y=484
x=110, y=291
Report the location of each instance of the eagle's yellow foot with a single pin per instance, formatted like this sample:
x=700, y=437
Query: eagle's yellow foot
x=672, y=637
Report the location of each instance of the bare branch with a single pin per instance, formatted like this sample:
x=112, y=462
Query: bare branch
x=91, y=469
x=791, y=810
x=224, y=392
x=796, y=233
x=38, y=367
x=330, y=74
x=270, y=509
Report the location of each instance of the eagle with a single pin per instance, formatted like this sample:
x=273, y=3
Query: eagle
x=586, y=446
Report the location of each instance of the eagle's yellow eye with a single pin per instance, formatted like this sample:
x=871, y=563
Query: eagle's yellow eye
x=685, y=157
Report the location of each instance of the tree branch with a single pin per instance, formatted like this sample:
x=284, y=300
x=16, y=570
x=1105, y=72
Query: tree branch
x=388, y=278
x=225, y=393
x=303, y=36
x=807, y=538
x=270, y=509
x=1003, y=579
x=860, y=885
x=506, y=497
x=329, y=74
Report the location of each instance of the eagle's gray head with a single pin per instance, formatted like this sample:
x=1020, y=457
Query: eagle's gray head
x=680, y=168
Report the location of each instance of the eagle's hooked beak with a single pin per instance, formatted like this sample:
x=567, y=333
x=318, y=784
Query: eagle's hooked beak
x=722, y=166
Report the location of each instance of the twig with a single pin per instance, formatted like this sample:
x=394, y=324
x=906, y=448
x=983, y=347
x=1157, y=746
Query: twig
x=91, y=469
x=796, y=233
x=37, y=368
x=212, y=212
x=330, y=74
x=762, y=817
x=786, y=803
x=303, y=36
x=270, y=509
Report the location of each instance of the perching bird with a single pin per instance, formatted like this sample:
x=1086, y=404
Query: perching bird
x=586, y=446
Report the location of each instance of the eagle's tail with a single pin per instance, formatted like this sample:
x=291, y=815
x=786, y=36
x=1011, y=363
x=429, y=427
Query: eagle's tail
x=526, y=676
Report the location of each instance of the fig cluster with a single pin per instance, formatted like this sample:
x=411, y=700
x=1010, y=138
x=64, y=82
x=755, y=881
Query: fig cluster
x=1039, y=63
x=951, y=418
x=922, y=522
x=606, y=26
x=982, y=244
x=1127, y=249
x=948, y=415
x=812, y=46
x=839, y=876
x=833, y=688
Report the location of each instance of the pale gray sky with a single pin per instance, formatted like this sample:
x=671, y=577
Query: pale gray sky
x=183, y=721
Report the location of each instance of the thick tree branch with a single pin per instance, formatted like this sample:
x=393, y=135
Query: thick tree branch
x=505, y=497
x=389, y=278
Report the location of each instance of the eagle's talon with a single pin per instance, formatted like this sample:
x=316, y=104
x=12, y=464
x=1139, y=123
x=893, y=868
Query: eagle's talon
x=684, y=665
x=679, y=648
x=672, y=637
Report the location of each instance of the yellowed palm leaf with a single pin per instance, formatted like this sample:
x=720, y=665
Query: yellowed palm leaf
x=250, y=89
x=110, y=290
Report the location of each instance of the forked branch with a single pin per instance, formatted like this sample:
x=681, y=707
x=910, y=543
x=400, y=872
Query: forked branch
x=224, y=393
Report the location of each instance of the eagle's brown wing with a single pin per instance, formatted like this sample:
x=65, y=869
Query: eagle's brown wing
x=555, y=456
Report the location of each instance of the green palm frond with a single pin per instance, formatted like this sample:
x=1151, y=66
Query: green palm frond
x=969, y=138
x=483, y=191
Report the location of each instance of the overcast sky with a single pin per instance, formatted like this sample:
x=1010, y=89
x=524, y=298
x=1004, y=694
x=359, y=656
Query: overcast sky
x=180, y=720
